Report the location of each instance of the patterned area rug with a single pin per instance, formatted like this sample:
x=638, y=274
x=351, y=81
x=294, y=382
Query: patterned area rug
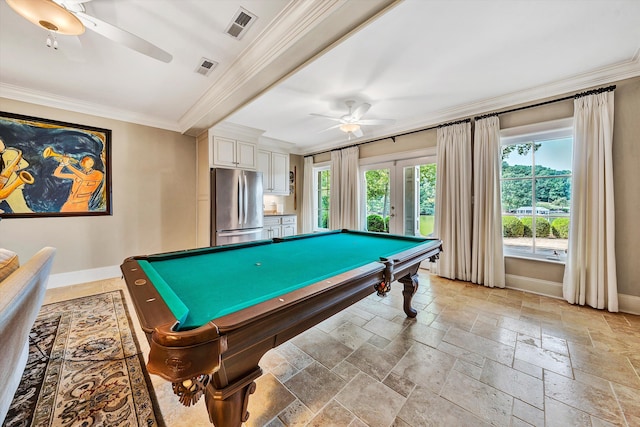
x=84, y=369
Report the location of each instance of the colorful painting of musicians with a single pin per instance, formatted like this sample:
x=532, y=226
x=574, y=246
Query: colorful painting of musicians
x=50, y=168
x=13, y=177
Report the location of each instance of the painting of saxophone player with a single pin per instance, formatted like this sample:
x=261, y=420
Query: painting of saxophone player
x=53, y=168
x=86, y=180
x=13, y=177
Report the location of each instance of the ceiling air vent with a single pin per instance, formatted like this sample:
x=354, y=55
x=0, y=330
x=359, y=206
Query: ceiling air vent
x=240, y=23
x=206, y=66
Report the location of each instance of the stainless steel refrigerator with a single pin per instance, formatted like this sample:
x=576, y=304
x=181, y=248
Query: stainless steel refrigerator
x=236, y=206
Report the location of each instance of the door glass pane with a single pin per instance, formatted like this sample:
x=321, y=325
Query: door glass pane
x=427, y=198
x=322, y=216
x=377, y=200
x=410, y=208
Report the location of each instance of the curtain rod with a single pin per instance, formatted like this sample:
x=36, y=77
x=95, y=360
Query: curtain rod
x=576, y=96
x=476, y=118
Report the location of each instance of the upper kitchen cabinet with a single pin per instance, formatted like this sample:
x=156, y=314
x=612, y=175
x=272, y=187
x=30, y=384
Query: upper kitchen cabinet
x=233, y=146
x=233, y=153
x=275, y=172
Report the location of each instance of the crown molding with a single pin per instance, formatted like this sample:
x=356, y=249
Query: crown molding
x=32, y=96
x=601, y=76
x=266, y=142
x=235, y=131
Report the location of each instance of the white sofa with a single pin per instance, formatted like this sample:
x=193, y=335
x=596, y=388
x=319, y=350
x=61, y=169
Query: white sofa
x=21, y=296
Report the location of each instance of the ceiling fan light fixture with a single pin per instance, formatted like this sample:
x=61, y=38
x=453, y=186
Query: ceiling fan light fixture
x=48, y=15
x=349, y=127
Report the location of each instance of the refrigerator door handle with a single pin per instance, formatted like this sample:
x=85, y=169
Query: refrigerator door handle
x=246, y=199
x=240, y=200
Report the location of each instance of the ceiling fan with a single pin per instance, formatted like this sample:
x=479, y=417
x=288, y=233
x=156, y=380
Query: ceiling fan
x=69, y=17
x=351, y=123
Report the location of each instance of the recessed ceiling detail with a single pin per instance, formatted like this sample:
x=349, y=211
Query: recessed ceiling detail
x=240, y=23
x=205, y=66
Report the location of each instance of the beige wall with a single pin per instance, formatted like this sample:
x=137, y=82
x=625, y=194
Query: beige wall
x=626, y=163
x=626, y=178
x=153, y=199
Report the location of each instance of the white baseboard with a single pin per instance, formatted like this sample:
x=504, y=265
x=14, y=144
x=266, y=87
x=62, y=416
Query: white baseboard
x=626, y=303
x=83, y=276
x=629, y=304
x=535, y=286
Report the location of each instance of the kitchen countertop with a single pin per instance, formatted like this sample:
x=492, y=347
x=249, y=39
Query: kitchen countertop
x=279, y=214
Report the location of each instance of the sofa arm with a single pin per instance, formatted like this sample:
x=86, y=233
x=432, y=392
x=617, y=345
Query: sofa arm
x=21, y=296
x=8, y=263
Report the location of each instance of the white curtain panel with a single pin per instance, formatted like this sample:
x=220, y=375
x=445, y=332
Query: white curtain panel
x=349, y=189
x=335, y=183
x=590, y=271
x=453, y=201
x=487, y=258
x=307, y=196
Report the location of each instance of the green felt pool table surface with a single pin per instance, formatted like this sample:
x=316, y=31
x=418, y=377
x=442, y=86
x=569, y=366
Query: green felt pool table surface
x=204, y=284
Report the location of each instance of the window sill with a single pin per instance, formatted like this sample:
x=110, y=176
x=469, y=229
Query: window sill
x=539, y=258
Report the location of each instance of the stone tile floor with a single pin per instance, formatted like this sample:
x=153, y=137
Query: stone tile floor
x=474, y=356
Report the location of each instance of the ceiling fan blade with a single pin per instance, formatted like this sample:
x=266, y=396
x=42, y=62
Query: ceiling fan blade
x=71, y=47
x=337, y=119
x=360, y=111
x=123, y=37
x=376, y=122
x=357, y=133
x=329, y=128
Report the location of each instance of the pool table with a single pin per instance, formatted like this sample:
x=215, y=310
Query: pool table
x=210, y=314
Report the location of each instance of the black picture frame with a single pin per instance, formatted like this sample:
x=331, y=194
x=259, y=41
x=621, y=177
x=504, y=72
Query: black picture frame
x=50, y=168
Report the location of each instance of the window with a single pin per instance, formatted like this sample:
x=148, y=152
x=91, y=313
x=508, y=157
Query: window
x=536, y=189
x=322, y=189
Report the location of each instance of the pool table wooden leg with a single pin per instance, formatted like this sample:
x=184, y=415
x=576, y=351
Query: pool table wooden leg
x=227, y=407
x=410, y=282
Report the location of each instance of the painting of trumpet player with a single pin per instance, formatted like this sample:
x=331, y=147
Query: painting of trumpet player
x=51, y=168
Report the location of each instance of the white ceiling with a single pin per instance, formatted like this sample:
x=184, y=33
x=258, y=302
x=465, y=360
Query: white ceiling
x=421, y=62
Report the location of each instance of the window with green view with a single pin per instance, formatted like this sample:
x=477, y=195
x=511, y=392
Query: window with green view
x=536, y=194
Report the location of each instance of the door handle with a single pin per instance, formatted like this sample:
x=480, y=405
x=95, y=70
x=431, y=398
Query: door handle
x=246, y=199
x=240, y=200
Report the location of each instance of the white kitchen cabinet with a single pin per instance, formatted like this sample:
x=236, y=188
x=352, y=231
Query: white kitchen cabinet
x=233, y=153
x=279, y=226
x=275, y=172
x=272, y=227
x=289, y=225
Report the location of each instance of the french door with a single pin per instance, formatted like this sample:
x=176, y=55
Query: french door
x=399, y=196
